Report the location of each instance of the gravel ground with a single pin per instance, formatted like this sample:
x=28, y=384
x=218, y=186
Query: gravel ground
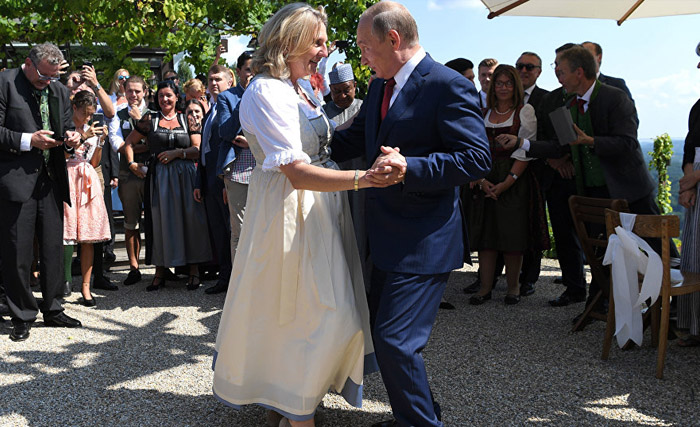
x=145, y=359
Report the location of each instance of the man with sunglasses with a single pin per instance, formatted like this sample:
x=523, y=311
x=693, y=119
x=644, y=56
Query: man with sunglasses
x=36, y=130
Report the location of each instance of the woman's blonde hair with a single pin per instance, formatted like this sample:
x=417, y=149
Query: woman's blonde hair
x=114, y=86
x=195, y=84
x=290, y=33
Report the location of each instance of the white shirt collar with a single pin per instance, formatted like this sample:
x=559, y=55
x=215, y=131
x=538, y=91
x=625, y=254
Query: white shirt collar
x=587, y=96
x=530, y=89
x=404, y=73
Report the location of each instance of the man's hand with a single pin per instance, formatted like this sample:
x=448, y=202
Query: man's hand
x=72, y=138
x=63, y=67
x=225, y=196
x=42, y=140
x=583, y=139
x=240, y=141
x=114, y=183
x=388, y=169
x=197, y=194
x=135, y=112
x=507, y=141
x=137, y=169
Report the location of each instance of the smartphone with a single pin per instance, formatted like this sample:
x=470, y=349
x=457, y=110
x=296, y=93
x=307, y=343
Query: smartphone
x=98, y=119
x=87, y=64
x=342, y=44
x=60, y=138
x=224, y=43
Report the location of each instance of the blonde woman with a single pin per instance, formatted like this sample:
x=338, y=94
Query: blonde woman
x=116, y=88
x=295, y=323
x=194, y=89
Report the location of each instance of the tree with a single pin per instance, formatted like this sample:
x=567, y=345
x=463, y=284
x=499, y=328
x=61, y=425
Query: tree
x=114, y=27
x=660, y=161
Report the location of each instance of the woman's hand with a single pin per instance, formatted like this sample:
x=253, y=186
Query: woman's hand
x=487, y=187
x=137, y=169
x=687, y=198
x=102, y=132
x=507, y=141
x=92, y=131
x=194, y=124
x=689, y=181
x=168, y=156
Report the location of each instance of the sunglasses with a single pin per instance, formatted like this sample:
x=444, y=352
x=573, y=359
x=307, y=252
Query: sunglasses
x=123, y=77
x=528, y=67
x=43, y=77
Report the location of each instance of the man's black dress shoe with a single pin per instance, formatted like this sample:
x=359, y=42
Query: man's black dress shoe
x=67, y=289
x=109, y=257
x=479, y=299
x=565, y=299
x=102, y=282
x=132, y=278
x=386, y=423
x=20, y=331
x=218, y=288
x=61, y=320
x=527, y=289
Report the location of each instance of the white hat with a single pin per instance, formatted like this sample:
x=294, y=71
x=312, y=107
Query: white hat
x=342, y=73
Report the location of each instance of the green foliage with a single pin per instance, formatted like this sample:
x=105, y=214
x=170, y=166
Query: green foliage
x=660, y=161
x=184, y=72
x=191, y=26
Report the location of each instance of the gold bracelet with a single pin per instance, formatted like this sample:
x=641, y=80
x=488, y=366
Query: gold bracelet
x=356, y=183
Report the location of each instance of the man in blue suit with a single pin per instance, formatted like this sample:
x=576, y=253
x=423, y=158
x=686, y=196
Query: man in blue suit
x=416, y=233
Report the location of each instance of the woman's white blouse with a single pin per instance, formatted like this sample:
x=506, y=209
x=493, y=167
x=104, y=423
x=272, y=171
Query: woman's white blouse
x=270, y=111
x=528, y=128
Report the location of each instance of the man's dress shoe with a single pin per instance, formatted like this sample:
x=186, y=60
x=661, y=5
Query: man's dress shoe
x=61, y=320
x=102, y=282
x=527, y=289
x=218, y=288
x=565, y=299
x=20, y=331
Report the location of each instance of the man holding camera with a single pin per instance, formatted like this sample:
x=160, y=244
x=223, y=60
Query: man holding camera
x=36, y=130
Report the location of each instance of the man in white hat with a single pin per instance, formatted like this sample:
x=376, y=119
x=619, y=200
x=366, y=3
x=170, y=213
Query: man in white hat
x=344, y=105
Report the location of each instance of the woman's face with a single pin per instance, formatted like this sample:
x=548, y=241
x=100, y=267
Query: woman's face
x=307, y=62
x=195, y=111
x=504, y=87
x=123, y=77
x=83, y=114
x=167, y=99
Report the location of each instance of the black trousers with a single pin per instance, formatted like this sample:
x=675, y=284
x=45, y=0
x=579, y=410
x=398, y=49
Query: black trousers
x=41, y=214
x=218, y=218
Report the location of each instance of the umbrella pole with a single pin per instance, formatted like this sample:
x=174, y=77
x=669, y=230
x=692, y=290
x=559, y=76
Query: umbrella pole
x=509, y=7
x=629, y=12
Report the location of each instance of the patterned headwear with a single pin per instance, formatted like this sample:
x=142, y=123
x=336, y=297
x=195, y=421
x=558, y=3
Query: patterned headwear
x=342, y=73
x=697, y=49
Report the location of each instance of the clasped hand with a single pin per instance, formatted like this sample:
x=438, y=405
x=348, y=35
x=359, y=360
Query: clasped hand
x=388, y=169
x=42, y=139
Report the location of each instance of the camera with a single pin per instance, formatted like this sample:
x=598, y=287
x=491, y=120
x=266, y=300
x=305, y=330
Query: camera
x=342, y=44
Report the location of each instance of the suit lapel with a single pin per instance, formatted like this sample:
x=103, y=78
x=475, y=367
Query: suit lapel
x=55, y=116
x=405, y=98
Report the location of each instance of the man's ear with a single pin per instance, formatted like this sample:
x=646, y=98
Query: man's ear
x=394, y=39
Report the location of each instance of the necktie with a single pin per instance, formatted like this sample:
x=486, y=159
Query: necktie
x=388, y=92
x=44, y=110
x=580, y=102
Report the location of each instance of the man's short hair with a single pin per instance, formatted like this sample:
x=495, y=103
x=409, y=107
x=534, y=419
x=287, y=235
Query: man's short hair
x=460, y=65
x=216, y=69
x=598, y=48
x=389, y=15
x=245, y=56
x=46, y=51
x=176, y=76
x=488, y=63
x=579, y=56
x=564, y=47
x=137, y=80
x=533, y=54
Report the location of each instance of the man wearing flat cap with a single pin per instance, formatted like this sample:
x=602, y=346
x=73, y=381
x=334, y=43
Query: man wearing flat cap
x=344, y=105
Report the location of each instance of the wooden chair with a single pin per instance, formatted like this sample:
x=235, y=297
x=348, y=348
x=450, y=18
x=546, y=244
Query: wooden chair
x=588, y=215
x=653, y=226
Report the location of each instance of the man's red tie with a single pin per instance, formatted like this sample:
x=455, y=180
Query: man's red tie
x=580, y=102
x=388, y=91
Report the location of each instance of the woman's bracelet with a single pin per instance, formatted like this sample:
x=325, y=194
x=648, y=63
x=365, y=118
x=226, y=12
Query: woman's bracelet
x=184, y=153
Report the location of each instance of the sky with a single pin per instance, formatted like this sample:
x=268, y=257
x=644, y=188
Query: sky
x=655, y=56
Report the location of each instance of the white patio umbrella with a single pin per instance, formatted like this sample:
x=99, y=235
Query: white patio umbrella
x=619, y=10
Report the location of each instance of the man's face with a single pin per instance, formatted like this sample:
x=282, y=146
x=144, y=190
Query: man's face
x=172, y=76
x=570, y=80
x=40, y=75
x=218, y=82
x=598, y=58
x=529, y=69
x=378, y=55
x=134, y=93
x=485, y=74
x=343, y=93
x=469, y=74
x=245, y=74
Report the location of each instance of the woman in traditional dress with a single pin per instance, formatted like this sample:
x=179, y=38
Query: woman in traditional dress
x=295, y=323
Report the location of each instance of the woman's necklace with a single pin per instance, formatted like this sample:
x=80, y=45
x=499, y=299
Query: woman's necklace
x=168, y=117
x=495, y=109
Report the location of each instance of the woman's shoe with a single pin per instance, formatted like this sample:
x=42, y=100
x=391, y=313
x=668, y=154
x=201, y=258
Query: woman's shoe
x=479, y=299
x=193, y=283
x=511, y=299
x=87, y=302
x=157, y=283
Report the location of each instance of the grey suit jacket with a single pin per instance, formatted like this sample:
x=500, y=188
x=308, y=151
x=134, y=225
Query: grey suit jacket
x=615, y=132
x=19, y=113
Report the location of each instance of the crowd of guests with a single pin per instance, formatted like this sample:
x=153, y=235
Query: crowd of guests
x=239, y=175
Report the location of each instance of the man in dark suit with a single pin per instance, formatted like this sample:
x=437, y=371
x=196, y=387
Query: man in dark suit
x=607, y=159
x=34, y=115
x=415, y=230
x=597, y=52
x=209, y=188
